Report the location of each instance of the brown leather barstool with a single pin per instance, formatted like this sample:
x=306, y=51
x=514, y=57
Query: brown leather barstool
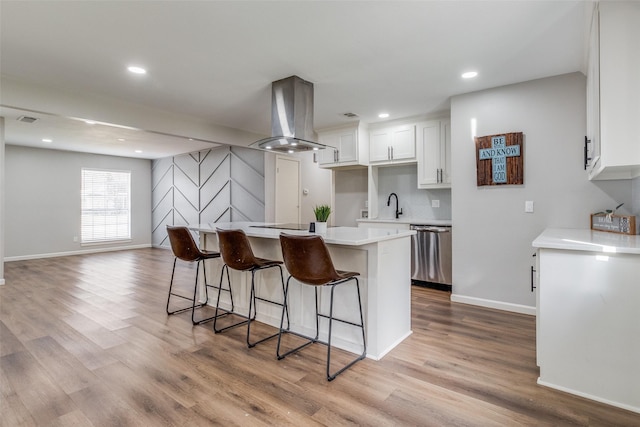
x=185, y=249
x=237, y=254
x=308, y=260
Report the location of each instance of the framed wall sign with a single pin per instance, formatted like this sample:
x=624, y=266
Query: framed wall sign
x=500, y=159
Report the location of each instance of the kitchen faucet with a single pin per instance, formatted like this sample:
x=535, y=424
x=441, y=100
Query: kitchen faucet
x=398, y=212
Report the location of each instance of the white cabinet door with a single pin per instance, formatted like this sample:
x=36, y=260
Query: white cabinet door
x=327, y=156
x=434, y=154
x=380, y=145
x=344, y=149
x=403, y=143
x=393, y=144
x=348, y=148
x=593, y=95
x=619, y=109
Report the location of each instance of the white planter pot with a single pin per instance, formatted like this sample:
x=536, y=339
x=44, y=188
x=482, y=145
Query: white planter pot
x=321, y=227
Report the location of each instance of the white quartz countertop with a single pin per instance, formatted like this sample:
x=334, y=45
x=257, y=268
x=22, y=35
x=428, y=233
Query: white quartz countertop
x=349, y=236
x=587, y=240
x=416, y=221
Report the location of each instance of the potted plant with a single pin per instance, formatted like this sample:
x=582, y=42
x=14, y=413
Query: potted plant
x=322, y=213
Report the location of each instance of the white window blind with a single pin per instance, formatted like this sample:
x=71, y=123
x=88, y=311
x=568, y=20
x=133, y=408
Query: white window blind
x=106, y=201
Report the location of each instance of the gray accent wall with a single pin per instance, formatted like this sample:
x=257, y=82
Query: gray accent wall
x=218, y=185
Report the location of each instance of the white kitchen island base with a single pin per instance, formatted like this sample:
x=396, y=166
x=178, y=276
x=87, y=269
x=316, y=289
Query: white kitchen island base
x=383, y=259
x=588, y=337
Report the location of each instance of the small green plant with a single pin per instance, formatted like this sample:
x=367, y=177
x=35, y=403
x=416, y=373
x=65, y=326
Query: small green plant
x=322, y=212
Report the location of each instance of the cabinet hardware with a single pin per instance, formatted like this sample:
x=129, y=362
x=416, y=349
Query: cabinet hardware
x=391, y=152
x=587, y=159
x=533, y=272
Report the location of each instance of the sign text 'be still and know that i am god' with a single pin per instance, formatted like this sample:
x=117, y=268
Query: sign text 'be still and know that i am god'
x=499, y=159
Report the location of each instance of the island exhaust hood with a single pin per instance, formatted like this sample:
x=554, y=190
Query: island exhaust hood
x=291, y=117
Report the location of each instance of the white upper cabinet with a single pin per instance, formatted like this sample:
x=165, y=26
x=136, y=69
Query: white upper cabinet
x=613, y=90
x=350, y=147
x=394, y=144
x=433, y=143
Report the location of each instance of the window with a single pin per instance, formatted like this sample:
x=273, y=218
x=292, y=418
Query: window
x=106, y=201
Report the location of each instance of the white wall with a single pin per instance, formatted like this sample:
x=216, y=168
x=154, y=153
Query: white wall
x=43, y=201
x=492, y=234
x=2, y=178
x=350, y=196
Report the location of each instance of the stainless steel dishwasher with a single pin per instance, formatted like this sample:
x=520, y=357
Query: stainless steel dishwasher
x=431, y=254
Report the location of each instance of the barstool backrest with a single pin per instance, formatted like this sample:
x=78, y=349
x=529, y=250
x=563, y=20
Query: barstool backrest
x=235, y=249
x=182, y=243
x=307, y=259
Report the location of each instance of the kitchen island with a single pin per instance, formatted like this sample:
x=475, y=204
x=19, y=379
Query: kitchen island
x=588, y=314
x=381, y=256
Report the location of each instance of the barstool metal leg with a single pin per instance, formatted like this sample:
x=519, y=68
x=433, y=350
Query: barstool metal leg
x=253, y=301
x=226, y=312
x=331, y=377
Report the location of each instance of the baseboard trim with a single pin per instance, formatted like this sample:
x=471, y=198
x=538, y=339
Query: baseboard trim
x=626, y=406
x=70, y=253
x=498, y=305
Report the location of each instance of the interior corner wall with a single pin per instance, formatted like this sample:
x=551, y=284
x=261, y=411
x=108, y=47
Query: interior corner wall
x=492, y=235
x=223, y=184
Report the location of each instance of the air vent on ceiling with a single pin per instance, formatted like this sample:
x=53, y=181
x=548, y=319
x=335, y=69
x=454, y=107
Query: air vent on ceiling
x=350, y=115
x=27, y=119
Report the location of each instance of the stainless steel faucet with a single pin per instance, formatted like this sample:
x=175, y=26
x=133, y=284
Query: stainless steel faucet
x=398, y=212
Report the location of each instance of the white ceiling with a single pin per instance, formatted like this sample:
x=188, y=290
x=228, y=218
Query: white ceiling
x=215, y=60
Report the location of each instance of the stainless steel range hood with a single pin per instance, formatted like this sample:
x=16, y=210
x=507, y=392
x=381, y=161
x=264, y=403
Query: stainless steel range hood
x=291, y=117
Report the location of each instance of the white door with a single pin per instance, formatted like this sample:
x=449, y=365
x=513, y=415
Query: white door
x=287, y=190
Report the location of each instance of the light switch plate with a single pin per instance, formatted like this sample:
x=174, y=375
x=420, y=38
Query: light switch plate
x=528, y=206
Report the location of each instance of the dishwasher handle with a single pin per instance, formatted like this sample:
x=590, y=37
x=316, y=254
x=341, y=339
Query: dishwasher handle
x=430, y=228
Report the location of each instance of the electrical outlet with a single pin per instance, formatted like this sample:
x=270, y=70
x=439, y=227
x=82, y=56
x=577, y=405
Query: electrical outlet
x=75, y=239
x=435, y=203
x=528, y=206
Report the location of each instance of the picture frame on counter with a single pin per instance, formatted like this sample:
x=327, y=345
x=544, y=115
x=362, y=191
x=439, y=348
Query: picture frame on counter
x=621, y=224
x=364, y=213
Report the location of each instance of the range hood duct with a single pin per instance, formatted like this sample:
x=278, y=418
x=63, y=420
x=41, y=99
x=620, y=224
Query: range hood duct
x=291, y=117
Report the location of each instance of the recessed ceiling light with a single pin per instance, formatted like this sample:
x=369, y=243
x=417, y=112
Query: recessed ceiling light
x=47, y=140
x=383, y=115
x=290, y=151
x=315, y=148
x=268, y=147
x=121, y=139
x=469, y=74
x=138, y=151
x=90, y=122
x=136, y=70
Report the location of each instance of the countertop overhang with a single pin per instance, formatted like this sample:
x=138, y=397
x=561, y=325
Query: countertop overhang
x=416, y=221
x=587, y=240
x=348, y=236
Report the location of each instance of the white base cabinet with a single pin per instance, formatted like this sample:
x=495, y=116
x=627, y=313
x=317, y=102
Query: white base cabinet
x=588, y=324
x=433, y=143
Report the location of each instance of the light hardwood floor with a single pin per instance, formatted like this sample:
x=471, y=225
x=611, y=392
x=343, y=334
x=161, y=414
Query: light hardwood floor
x=85, y=341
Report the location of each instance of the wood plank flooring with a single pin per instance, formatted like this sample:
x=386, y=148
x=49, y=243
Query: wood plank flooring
x=85, y=341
